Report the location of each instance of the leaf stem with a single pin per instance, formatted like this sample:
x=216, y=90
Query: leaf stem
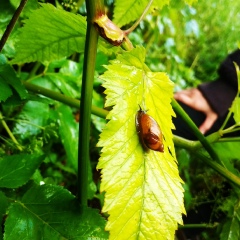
x=192, y=145
x=93, y=7
x=35, y=68
x=140, y=19
x=9, y=132
x=12, y=24
x=199, y=225
x=226, y=120
x=196, y=131
x=220, y=169
x=72, y=102
x=230, y=139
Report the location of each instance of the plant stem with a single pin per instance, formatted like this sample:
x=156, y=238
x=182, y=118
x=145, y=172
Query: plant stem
x=140, y=19
x=72, y=102
x=196, y=131
x=192, y=145
x=226, y=120
x=9, y=132
x=199, y=225
x=221, y=170
x=93, y=7
x=12, y=24
x=230, y=139
x=34, y=70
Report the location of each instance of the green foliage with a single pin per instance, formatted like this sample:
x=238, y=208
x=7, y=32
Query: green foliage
x=9, y=81
x=52, y=213
x=68, y=130
x=129, y=173
x=231, y=227
x=50, y=34
x=141, y=193
x=235, y=108
x=16, y=170
x=28, y=124
x=127, y=11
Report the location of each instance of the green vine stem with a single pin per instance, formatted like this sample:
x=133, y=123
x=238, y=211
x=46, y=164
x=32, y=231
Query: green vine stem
x=229, y=139
x=199, y=225
x=93, y=8
x=140, y=19
x=193, y=145
x=72, y=102
x=9, y=132
x=220, y=169
x=196, y=131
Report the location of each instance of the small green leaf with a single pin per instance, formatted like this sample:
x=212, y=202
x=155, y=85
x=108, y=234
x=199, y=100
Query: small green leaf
x=9, y=81
x=68, y=130
x=231, y=229
x=51, y=212
x=3, y=204
x=30, y=121
x=126, y=11
x=3, y=210
x=49, y=34
x=6, y=91
x=16, y=170
x=65, y=83
x=235, y=108
x=144, y=193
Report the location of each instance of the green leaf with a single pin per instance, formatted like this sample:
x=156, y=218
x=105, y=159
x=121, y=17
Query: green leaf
x=231, y=229
x=235, y=108
x=51, y=212
x=126, y=11
x=30, y=121
x=49, y=34
x=3, y=204
x=229, y=152
x=67, y=79
x=16, y=170
x=3, y=209
x=9, y=81
x=68, y=129
x=144, y=193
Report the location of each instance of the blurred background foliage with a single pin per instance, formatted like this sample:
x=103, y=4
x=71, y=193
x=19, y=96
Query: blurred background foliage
x=189, y=42
x=186, y=42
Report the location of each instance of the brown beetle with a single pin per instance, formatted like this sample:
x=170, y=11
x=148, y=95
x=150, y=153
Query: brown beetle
x=149, y=132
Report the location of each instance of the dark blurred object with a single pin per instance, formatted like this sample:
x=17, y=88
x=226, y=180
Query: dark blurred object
x=219, y=94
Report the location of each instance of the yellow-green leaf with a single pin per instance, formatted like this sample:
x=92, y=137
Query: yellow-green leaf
x=144, y=194
x=190, y=2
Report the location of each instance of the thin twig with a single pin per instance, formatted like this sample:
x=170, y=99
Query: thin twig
x=12, y=24
x=9, y=132
x=63, y=98
x=140, y=19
